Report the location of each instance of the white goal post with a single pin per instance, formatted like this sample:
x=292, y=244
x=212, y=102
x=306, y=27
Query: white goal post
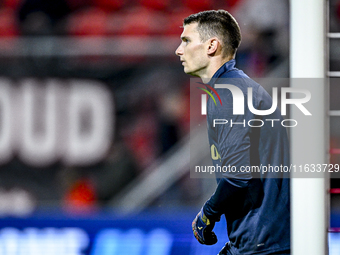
x=309, y=143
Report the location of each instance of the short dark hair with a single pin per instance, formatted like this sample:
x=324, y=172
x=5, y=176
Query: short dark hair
x=218, y=23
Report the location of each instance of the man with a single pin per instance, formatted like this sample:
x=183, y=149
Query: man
x=256, y=205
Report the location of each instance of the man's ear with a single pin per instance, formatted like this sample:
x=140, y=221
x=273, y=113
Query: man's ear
x=213, y=45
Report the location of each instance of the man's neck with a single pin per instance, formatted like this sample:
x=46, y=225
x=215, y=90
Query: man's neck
x=212, y=69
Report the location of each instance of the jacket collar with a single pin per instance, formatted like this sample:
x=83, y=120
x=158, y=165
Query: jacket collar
x=226, y=67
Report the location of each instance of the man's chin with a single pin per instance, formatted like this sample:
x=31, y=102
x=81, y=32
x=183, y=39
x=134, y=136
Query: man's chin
x=190, y=72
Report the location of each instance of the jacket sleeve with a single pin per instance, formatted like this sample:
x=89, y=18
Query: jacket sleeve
x=232, y=141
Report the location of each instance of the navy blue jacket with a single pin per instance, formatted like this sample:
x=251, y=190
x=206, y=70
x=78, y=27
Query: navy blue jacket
x=256, y=204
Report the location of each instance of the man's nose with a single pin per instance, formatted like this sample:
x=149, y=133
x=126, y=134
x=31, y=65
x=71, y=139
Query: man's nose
x=179, y=51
